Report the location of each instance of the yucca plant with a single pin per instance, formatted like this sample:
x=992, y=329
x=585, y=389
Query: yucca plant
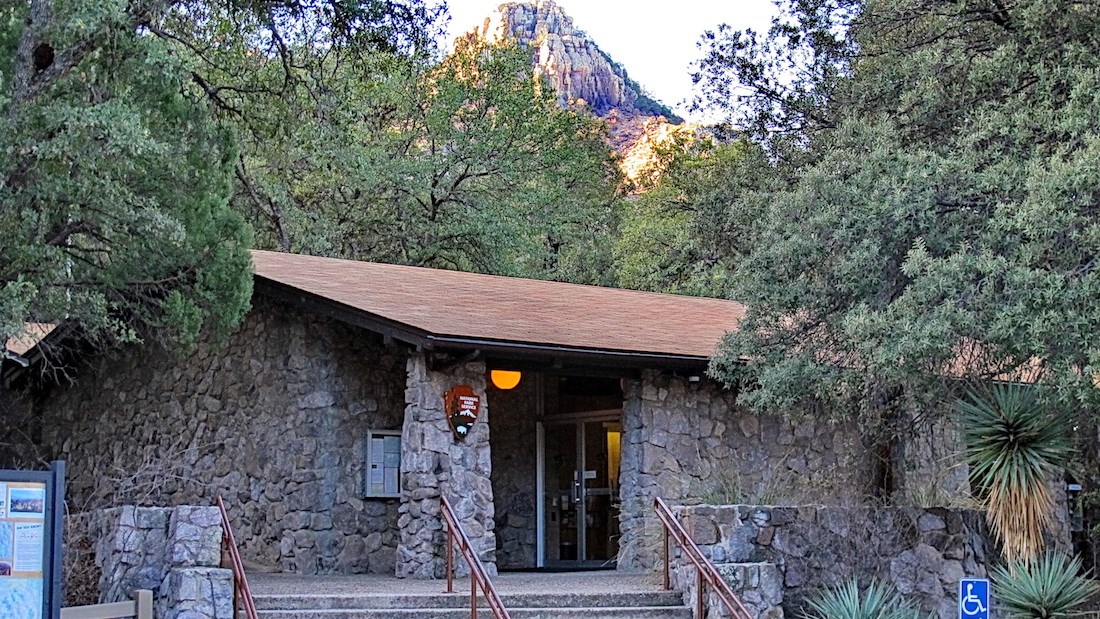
x=846, y=601
x=1014, y=447
x=1051, y=586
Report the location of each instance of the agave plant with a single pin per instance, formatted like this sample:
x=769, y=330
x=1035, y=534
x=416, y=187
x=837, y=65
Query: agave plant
x=1014, y=447
x=846, y=601
x=1051, y=586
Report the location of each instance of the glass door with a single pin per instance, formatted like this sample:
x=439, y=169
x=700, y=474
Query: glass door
x=581, y=477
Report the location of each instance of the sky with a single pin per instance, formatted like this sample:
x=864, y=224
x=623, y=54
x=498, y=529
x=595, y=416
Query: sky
x=656, y=42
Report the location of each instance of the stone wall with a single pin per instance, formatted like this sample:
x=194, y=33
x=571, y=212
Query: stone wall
x=759, y=587
x=689, y=442
x=921, y=552
x=514, y=472
x=434, y=461
x=175, y=552
x=274, y=420
x=930, y=468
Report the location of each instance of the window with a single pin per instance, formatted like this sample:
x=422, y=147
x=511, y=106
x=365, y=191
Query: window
x=383, y=464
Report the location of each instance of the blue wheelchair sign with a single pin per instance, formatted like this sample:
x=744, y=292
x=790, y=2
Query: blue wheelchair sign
x=973, y=598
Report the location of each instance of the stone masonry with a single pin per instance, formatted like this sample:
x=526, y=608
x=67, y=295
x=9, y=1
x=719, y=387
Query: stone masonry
x=689, y=442
x=759, y=586
x=275, y=420
x=514, y=471
x=434, y=461
x=921, y=552
x=175, y=552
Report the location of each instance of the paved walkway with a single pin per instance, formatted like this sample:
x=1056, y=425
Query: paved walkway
x=506, y=583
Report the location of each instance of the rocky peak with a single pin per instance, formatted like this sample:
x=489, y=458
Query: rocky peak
x=575, y=66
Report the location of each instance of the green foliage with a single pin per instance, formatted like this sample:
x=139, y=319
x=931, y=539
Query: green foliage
x=115, y=175
x=1015, y=446
x=937, y=209
x=846, y=601
x=667, y=235
x=1051, y=586
x=466, y=164
x=114, y=189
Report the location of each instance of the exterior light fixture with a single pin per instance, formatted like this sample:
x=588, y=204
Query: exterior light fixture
x=505, y=379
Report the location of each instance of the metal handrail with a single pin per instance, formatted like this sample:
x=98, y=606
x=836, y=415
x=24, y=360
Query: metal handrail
x=704, y=569
x=242, y=593
x=478, y=577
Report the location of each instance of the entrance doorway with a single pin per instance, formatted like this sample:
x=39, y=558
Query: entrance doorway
x=580, y=490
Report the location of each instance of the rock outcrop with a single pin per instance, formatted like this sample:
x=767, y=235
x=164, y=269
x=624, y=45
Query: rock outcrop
x=584, y=75
x=579, y=71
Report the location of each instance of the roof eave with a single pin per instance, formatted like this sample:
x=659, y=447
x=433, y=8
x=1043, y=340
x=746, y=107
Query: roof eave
x=504, y=349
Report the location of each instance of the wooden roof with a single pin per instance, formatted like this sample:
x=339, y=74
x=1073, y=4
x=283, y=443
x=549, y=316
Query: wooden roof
x=453, y=309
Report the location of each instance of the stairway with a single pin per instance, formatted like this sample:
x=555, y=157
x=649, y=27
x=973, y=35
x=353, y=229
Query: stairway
x=520, y=605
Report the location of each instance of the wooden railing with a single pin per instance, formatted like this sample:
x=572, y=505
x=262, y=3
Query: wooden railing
x=141, y=607
x=705, y=572
x=242, y=596
x=479, y=579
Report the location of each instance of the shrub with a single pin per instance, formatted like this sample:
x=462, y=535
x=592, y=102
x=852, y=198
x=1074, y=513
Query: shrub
x=1051, y=586
x=1014, y=446
x=846, y=601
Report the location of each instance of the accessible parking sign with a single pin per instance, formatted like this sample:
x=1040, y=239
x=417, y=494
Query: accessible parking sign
x=973, y=598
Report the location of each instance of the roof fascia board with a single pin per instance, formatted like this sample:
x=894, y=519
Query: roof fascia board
x=589, y=356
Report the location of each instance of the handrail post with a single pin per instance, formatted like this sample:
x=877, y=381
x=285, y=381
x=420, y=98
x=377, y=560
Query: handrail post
x=473, y=595
x=699, y=593
x=668, y=559
x=242, y=593
x=450, y=561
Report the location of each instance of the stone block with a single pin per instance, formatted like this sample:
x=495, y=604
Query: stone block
x=196, y=593
x=194, y=537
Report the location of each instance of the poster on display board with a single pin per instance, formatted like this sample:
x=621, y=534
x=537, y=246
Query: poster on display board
x=31, y=508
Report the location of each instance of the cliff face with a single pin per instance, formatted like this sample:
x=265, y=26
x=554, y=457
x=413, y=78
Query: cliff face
x=575, y=66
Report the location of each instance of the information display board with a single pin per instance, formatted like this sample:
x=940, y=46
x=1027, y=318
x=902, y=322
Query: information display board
x=30, y=541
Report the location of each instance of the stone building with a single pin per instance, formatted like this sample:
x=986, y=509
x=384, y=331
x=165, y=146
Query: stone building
x=323, y=422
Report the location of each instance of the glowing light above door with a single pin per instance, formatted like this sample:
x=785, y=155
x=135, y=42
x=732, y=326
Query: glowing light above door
x=505, y=379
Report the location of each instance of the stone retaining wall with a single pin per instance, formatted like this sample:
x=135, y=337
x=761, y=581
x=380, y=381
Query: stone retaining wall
x=689, y=442
x=175, y=552
x=921, y=552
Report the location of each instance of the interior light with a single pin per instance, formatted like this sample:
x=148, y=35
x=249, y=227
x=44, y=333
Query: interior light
x=505, y=379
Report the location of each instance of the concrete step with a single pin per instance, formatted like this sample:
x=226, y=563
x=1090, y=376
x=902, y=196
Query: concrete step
x=319, y=602
x=607, y=612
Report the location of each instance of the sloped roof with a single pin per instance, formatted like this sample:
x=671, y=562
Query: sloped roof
x=436, y=307
x=33, y=333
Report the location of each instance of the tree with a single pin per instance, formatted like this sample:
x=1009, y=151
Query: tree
x=669, y=231
x=466, y=164
x=115, y=176
x=940, y=214
x=113, y=198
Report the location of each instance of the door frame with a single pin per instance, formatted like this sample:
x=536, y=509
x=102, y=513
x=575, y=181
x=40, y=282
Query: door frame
x=575, y=420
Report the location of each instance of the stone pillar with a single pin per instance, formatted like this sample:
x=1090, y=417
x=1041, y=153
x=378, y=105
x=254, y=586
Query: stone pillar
x=130, y=550
x=433, y=461
x=641, y=532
